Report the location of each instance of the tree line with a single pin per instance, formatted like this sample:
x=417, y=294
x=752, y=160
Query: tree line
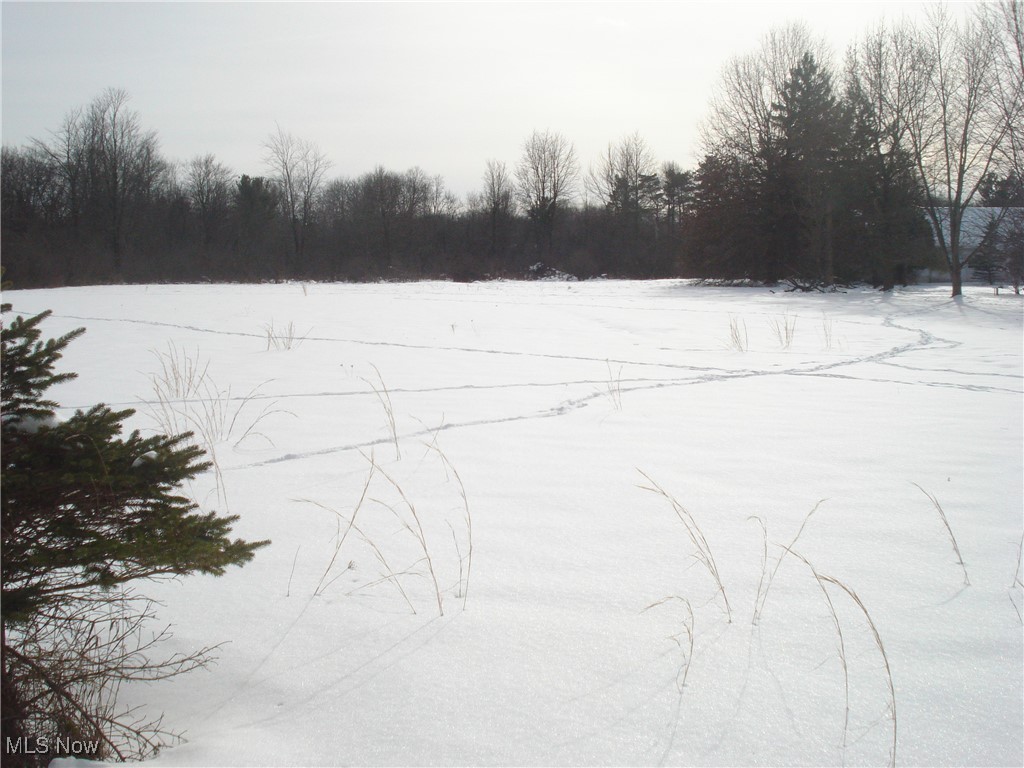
x=810, y=173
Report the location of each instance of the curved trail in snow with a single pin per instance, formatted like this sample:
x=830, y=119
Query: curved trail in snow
x=700, y=375
x=925, y=340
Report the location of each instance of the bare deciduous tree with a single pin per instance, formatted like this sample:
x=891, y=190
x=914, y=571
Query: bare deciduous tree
x=109, y=166
x=1006, y=20
x=124, y=165
x=880, y=86
x=739, y=122
x=545, y=178
x=299, y=167
x=208, y=185
x=744, y=125
x=498, y=202
x=957, y=128
x=626, y=178
x=66, y=154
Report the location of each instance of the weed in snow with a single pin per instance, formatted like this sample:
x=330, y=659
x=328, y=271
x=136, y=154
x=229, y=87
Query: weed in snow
x=949, y=530
x=703, y=550
x=784, y=329
x=399, y=564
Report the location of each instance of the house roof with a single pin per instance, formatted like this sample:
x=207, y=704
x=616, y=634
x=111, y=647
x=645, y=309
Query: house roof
x=976, y=220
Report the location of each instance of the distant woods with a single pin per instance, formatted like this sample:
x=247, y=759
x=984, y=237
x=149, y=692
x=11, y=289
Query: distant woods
x=810, y=173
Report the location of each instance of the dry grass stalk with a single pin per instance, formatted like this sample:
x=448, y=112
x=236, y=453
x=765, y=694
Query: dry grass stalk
x=384, y=397
x=614, y=386
x=283, y=339
x=390, y=575
x=738, y=340
x=703, y=550
x=408, y=516
x=784, y=329
x=288, y=590
x=416, y=531
x=686, y=646
x=881, y=649
x=450, y=468
x=340, y=536
x=842, y=645
x=763, y=596
x=188, y=401
x=764, y=567
x=823, y=580
x=826, y=331
x=1017, y=585
x=949, y=530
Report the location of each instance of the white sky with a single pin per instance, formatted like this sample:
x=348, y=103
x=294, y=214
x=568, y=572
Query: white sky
x=445, y=86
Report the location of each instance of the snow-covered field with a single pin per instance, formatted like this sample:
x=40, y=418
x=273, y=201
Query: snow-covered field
x=558, y=613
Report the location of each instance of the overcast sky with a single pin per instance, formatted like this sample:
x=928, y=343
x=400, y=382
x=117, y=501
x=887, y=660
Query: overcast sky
x=445, y=86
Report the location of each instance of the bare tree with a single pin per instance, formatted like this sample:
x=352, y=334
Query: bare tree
x=381, y=199
x=123, y=164
x=498, y=203
x=678, y=187
x=957, y=128
x=66, y=152
x=208, y=185
x=881, y=84
x=626, y=178
x=441, y=202
x=1006, y=20
x=744, y=126
x=546, y=178
x=626, y=183
x=109, y=166
x=739, y=123
x=299, y=167
x=414, y=193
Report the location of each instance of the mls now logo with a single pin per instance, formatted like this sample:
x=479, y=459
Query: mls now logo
x=42, y=746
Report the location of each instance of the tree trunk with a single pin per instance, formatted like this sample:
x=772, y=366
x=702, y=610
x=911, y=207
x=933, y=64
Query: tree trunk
x=956, y=277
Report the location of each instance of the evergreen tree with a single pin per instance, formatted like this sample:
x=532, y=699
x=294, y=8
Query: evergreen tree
x=728, y=222
x=83, y=512
x=883, y=233
x=810, y=130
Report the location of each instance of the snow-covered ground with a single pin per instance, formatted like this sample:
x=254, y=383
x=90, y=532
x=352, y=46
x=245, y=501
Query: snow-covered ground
x=559, y=613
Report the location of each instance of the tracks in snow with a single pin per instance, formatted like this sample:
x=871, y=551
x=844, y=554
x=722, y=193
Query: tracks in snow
x=697, y=375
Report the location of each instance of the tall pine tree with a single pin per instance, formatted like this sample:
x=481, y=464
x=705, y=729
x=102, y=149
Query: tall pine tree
x=810, y=131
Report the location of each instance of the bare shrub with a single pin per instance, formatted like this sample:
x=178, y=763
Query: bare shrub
x=69, y=662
